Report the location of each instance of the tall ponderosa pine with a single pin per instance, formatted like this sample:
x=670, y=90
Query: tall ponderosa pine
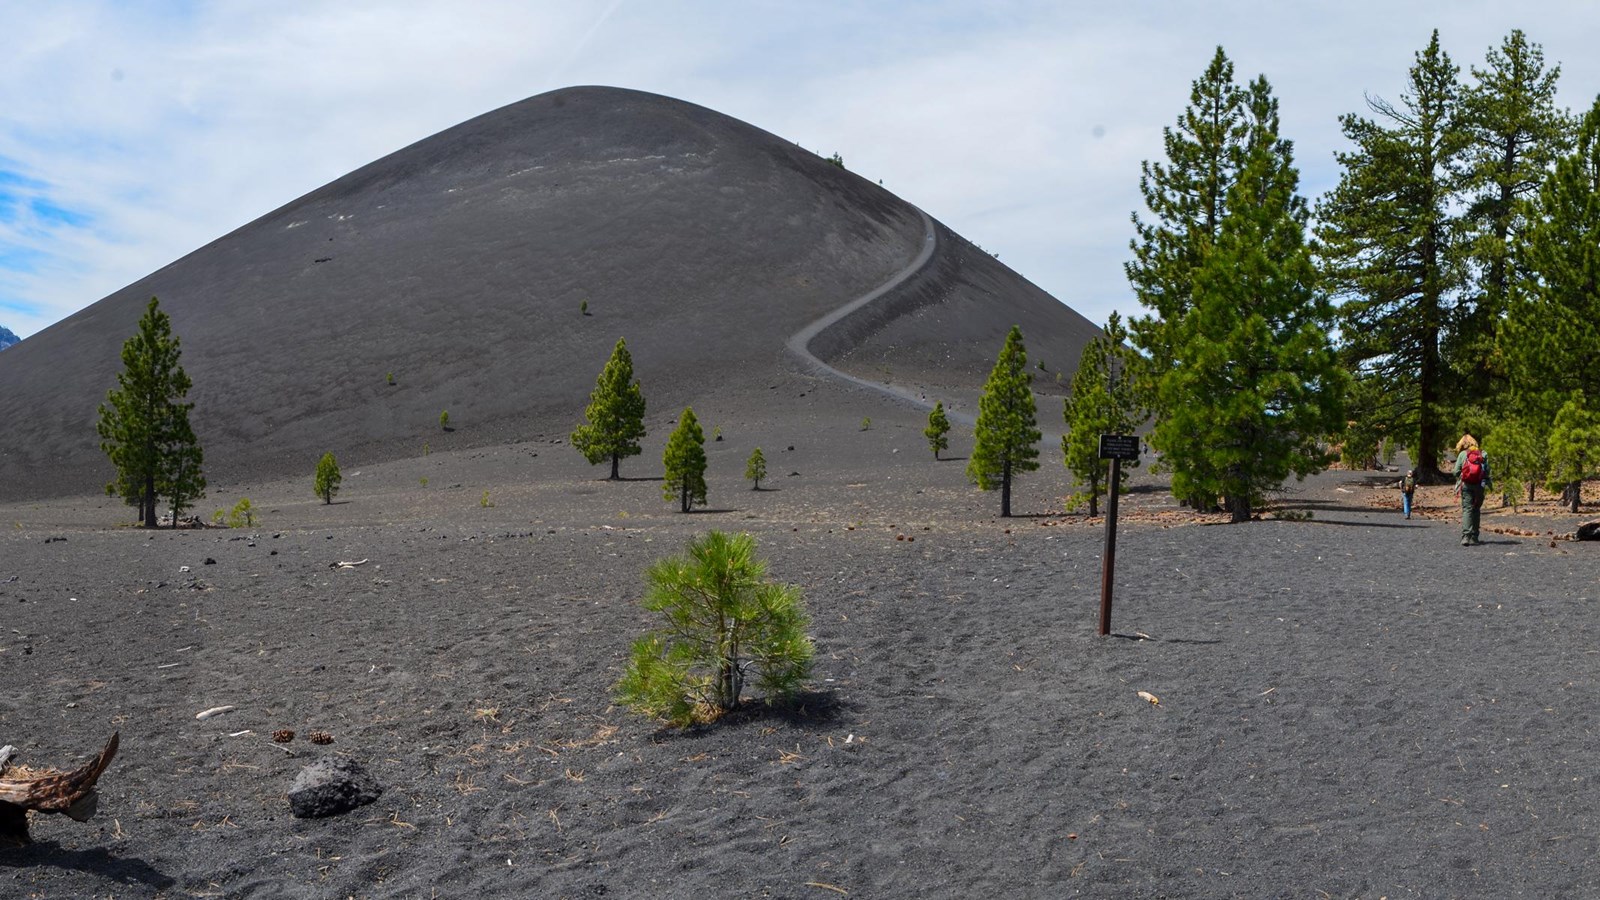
x=685, y=463
x=1187, y=198
x=938, y=430
x=1390, y=248
x=1006, y=436
x=144, y=423
x=1553, y=327
x=1105, y=400
x=615, y=414
x=1257, y=385
x=1515, y=133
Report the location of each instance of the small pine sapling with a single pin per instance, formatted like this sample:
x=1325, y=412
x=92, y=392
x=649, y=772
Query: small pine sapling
x=327, y=480
x=755, y=468
x=583, y=308
x=866, y=423
x=243, y=514
x=938, y=430
x=724, y=623
x=685, y=463
x=444, y=420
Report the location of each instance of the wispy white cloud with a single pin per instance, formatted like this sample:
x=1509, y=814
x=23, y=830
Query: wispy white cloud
x=134, y=133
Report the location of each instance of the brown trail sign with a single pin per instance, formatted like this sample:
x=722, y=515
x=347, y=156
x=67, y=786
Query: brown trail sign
x=1115, y=447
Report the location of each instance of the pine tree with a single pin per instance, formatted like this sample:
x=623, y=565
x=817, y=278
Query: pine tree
x=1006, y=436
x=327, y=480
x=755, y=468
x=1521, y=454
x=1553, y=326
x=615, y=414
x=1390, y=249
x=1187, y=197
x=938, y=430
x=144, y=423
x=724, y=622
x=1104, y=400
x=685, y=463
x=1516, y=132
x=1257, y=385
x=1574, y=449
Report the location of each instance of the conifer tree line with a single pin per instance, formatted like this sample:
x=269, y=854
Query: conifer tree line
x=1450, y=281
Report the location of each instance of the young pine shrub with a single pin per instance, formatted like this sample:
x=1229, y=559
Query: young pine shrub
x=326, y=483
x=725, y=623
x=755, y=468
x=243, y=514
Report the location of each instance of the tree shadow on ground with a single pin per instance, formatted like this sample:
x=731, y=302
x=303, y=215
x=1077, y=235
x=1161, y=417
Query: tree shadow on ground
x=96, y=861
x=952, y=459
x=762, y=490
x=809, y=709
x=715, y=512
x=1349, y=524
x=634, y=478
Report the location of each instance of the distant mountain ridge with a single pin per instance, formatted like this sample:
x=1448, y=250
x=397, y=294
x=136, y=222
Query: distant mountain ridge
x=7, y=337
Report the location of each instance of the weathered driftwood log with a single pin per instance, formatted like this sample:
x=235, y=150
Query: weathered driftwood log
x=69, y=793
x=1589, y=531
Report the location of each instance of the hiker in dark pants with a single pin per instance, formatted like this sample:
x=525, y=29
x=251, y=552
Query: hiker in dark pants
x=1472, y=482
x=1408, y=487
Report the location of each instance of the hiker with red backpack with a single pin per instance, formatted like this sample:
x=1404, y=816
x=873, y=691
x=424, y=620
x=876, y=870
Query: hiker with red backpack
x=1472, y=482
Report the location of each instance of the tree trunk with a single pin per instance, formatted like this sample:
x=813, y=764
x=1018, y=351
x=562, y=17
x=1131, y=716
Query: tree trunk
x=148, y=507
x=684, y=496
x=1005, y=490
x=1239, y=508
x=1575, y=489
x=615, y=459
x=1094, y=495
x=1530, y=491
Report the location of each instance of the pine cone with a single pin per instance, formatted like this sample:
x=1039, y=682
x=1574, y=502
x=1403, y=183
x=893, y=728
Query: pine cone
x=283, y=735
x=320, y=737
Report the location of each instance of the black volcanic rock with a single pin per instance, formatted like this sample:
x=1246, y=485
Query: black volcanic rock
x=7, y=337
x=704, y=241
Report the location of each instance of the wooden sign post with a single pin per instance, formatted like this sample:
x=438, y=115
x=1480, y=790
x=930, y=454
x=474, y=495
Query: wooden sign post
x=1115, y=447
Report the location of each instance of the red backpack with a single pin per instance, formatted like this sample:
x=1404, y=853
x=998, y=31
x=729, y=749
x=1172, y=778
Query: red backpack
x=1472, y=469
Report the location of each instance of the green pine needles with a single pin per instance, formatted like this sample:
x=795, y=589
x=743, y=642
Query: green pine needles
x=755, y=469
x=326, y=483
x=1006, y=436
x=938, y=430
x=726, y=625
x=615, y=414
x=1105, y=400
x=144, y=424
x=685, y=463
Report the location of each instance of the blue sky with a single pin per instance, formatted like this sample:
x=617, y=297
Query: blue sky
x=132, y=133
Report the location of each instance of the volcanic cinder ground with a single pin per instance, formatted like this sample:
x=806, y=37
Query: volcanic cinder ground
x=1346, y=703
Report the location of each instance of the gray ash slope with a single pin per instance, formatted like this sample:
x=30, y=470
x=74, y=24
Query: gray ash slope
x=460, y=264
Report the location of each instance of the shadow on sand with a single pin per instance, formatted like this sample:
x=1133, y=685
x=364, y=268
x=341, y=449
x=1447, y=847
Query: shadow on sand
x=810, y=709
x=97, y=861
